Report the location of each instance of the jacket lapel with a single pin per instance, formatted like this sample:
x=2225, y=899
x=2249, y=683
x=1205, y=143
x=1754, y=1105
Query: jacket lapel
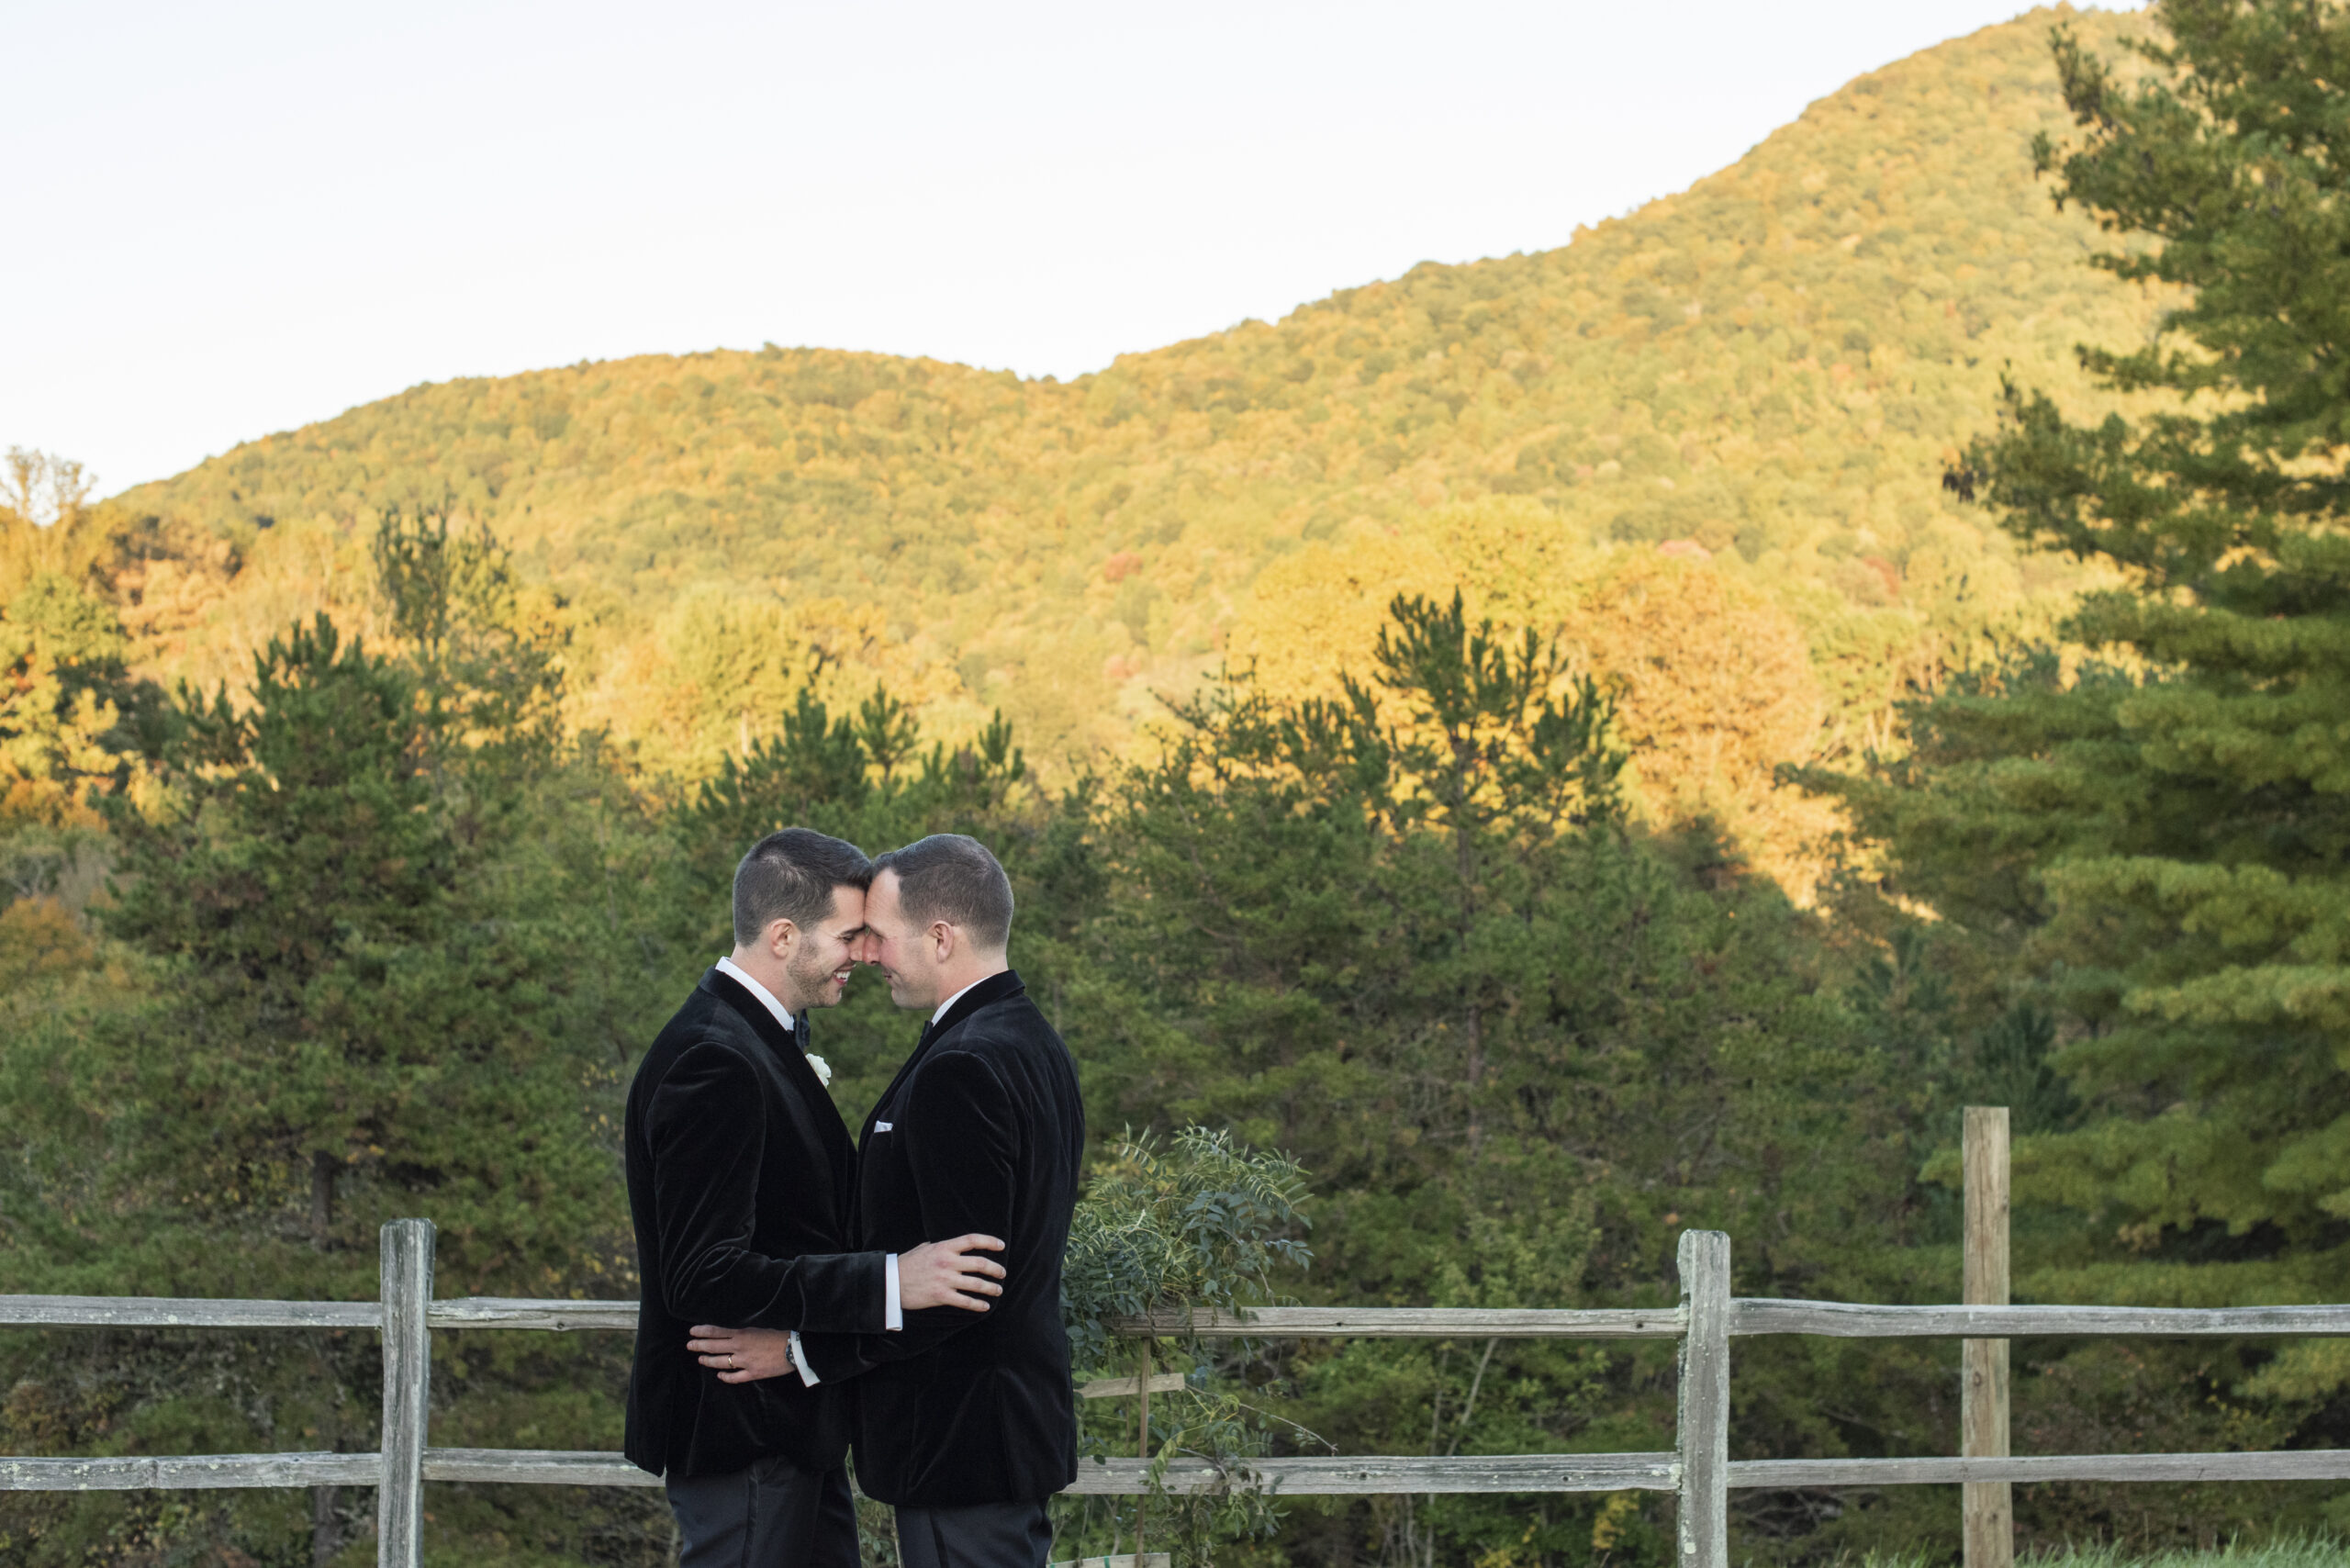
x=995, y=988
x=831, y=1128
x=922, y=1048
x=791, y=1057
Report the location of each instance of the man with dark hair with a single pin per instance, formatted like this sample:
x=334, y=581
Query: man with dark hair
x=966, y=1424
x=740, y=1183
x=951, y=880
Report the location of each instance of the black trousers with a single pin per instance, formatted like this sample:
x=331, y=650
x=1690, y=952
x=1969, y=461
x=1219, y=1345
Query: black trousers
x=774, y=1515
x=984, y=1535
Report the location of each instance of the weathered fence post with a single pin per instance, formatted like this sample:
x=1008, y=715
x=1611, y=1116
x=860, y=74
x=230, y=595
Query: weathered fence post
x=1986, y=1508
x=408, y=1382
x=1702, y=1434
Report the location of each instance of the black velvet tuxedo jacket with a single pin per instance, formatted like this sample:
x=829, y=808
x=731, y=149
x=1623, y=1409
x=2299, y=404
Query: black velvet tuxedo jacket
x=982, y=1130
x=740, y=1177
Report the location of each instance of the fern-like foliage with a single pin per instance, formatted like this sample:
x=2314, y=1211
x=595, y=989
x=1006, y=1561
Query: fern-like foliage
x=1194, y=1222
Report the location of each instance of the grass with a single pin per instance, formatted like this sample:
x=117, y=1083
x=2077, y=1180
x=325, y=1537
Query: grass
x=2307, y=1552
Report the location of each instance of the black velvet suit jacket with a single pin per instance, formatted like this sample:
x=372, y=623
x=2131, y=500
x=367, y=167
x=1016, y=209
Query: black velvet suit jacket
x=740, y=1177
x=981, y=1131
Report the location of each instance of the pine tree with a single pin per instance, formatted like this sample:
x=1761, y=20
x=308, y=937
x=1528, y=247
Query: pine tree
x=302, y=861
x=1405, y=936
x=2160, y=834
x=359, y=982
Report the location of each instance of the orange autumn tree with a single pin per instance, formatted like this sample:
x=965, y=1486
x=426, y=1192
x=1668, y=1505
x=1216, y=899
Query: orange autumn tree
x=1715, y=691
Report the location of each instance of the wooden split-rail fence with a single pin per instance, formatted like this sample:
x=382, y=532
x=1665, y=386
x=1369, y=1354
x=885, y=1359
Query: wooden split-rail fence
x=1698, y=1469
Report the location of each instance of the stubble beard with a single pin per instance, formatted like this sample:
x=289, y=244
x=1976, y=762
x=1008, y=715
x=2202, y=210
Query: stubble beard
x=813, y=982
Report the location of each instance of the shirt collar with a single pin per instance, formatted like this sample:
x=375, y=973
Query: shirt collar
x=956, y=998
x=736, y=973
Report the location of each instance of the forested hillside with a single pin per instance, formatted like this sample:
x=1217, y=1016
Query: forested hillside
x=1775, y=367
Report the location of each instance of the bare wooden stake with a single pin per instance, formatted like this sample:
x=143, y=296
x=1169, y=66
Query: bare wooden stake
x=407, y=1384
x=1702, y=1433
x=1986, y=1508
x=1142, y=1443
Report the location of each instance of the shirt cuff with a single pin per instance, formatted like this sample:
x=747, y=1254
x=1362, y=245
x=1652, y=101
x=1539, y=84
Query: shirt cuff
x=807, y=1373
x=893, y=1309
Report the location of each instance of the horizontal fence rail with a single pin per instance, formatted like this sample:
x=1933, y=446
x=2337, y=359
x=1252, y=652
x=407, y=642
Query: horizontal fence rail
x=1412, y=1323
x=1698, y=1469
x=1749, y=1317
x=1358, y=1474
x=1779, y=1474
x=183, y=1312
x=205, y=1472
x=554, y=1316
x=1312, y=1475
x=1847, y=1320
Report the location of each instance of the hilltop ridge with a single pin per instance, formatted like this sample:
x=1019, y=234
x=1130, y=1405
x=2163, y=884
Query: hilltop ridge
x=1773, y=365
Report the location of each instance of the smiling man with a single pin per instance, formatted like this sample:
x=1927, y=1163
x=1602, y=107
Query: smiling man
x=966, y=1422
x=740, y=1181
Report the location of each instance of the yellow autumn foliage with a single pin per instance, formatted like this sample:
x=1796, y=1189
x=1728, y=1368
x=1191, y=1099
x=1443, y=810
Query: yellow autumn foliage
x=1715, y=681
x=1318, y=613
x=1716, y=690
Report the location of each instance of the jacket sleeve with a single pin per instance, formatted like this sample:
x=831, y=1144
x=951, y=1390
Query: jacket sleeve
x=962, y=1133
x=706, y=1128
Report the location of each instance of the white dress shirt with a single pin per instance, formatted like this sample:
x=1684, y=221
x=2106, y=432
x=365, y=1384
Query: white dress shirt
x=957, y=997
x=893, y=1307
x=742, y=978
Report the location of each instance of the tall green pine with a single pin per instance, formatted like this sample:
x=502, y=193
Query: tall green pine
x=2159, y=833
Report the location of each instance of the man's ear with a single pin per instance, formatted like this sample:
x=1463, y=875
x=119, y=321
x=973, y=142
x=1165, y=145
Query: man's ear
x=942, y=936
x=781, y=934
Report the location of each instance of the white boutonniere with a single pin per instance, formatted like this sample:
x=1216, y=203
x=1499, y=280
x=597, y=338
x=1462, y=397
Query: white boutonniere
x=823, y=1068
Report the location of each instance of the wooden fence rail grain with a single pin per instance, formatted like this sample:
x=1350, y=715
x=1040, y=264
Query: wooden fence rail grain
x=1852, y=1320
x=203, y=1472
x=1412, y=1323
x=551, y=1316
x=1699, y=1469
x=1750, y=1315
x=1986, y=1517
x=2302, y=1464
x=1286, y=1477
x=1375, y=1475
x=408, y=1382
x=183, y=1312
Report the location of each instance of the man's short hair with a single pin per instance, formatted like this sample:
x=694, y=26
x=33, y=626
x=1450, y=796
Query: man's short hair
x=951, y=877
x=790, y=876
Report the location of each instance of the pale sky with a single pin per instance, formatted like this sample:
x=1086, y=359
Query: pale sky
x=226, y=219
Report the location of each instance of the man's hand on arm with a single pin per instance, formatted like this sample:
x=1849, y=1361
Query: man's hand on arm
x=964, y=1187
x=743, y=1355
x=950, y=1273
x=936, y=1273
